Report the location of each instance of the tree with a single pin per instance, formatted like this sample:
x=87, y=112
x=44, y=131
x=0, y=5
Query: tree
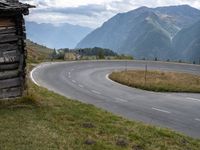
x=54, y=54
x=101, y=54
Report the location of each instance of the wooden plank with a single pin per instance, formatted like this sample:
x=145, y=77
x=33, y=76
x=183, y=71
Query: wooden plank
x=8, y=47
x=10, y=93
x=6, y=22
x=7, y=30
x=9, y=59
x=4, y=38
x=9, y=74
x=4, y=67
x=8, y=83
x=10, y=53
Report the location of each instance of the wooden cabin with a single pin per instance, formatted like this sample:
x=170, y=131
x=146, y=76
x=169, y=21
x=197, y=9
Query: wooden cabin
x=12, y=48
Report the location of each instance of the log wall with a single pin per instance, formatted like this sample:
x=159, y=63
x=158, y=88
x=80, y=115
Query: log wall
x=12, y=56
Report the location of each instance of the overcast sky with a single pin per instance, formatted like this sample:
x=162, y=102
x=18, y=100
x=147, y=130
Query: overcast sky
x=90, y=13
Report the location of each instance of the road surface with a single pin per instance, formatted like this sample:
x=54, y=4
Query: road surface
x=88, y=82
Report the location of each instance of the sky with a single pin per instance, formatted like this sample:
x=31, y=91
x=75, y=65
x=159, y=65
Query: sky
x=90, y=13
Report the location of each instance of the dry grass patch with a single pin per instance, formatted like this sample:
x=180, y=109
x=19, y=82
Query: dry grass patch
x=159, y=81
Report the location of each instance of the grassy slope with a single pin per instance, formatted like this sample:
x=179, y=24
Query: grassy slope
x=45, y=120
x=159, y=81
x=37, y=53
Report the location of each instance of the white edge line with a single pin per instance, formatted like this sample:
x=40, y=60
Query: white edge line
x=107, y=77
x=193, y=99
x=40, y=65
x=31, y=76
x=119, y=84
x=116, y=83
x=164, y=111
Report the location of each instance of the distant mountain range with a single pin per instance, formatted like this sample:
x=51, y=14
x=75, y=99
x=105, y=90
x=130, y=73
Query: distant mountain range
x=62, y=36
x=165, y=32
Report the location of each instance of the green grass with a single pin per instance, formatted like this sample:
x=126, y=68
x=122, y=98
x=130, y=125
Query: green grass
x=158, y=81
x=45, y=120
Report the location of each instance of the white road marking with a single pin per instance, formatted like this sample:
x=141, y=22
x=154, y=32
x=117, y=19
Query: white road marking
x=121, y=100
x=193, y=99
x=107, y=77
x=69, y=75
x=73, y=81
x=96, y=92
x=164, y=111
x=80, y=85
x=31, y=75
x=197, y=119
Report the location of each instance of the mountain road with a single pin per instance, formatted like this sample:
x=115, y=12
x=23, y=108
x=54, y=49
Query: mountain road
x=88, y=82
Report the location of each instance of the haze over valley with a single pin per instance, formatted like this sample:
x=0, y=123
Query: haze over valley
x=61, y=36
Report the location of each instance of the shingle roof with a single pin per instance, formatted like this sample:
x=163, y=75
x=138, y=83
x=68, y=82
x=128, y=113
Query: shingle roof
x=14, y=6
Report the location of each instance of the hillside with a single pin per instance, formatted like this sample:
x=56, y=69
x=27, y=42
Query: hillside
x=60, y=36
x=187, y=43
x=144, y=32
x=143, y=44
x=37, y=53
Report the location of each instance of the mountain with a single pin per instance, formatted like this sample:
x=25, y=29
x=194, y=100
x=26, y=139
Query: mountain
x=61, y=36
x=144, y=32
x=183, y=15
x=187, y=43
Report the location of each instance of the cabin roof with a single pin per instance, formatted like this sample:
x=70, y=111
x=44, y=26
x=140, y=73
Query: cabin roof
x=14, y=6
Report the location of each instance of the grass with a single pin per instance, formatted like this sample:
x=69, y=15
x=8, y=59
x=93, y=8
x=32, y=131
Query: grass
x=37, y=53
x=45, y=120
x=158, y=81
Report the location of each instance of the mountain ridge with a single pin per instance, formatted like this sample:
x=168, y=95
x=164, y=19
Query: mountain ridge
x=187, y=43
x=137, y=31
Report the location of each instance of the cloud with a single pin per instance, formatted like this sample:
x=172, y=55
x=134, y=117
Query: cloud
x=91, y=13
x=86, y=10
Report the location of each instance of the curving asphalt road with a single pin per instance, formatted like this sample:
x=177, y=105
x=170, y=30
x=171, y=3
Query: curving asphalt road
x=88, y=82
